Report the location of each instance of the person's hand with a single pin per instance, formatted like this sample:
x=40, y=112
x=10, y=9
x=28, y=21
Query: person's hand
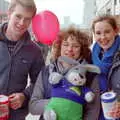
x=115, y=112
x=16, y=100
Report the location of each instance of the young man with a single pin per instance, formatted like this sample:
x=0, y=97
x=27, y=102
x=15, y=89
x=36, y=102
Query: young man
x=19, y=57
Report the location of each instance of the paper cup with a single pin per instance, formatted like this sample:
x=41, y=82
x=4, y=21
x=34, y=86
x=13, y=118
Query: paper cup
x=108, y=99
x=4, y=103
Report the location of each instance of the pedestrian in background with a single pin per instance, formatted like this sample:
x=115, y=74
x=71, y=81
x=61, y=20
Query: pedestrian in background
x=19, y=57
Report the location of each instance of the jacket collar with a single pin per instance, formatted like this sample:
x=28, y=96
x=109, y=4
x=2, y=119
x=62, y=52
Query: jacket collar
x=20, y=43
x=3, y=28
x=2, y=31
x=56, y=66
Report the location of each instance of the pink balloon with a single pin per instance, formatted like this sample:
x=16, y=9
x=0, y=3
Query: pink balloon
x=45, y=26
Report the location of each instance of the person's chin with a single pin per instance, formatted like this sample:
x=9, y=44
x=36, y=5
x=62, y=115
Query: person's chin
x=20, y=32
x=72, y=57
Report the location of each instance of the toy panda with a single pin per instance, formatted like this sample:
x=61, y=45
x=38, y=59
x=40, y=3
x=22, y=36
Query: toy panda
x=69, y=93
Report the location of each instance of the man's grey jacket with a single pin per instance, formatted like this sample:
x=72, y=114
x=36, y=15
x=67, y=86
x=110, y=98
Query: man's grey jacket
x=14, y=69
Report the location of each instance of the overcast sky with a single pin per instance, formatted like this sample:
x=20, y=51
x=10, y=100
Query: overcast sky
x=72, y=8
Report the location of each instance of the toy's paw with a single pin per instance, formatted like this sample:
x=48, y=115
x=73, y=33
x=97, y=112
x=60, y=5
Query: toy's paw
x=89, y=97
x=55, y=77
x=49, y=115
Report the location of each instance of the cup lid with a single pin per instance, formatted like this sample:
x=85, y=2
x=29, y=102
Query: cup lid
x=108, y=96
x=3, y=98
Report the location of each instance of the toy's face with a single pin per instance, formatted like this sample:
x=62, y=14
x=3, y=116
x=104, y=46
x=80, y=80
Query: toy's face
x=77, y=79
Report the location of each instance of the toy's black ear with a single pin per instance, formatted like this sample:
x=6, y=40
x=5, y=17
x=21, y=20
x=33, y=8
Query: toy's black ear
x=92, y=68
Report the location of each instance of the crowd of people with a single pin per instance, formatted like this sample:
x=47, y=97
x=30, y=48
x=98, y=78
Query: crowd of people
x=20, y=57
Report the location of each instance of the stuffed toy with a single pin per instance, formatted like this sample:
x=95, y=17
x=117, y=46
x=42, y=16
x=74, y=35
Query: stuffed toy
x=69, y=93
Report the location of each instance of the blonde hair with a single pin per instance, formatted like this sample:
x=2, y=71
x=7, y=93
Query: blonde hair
x=28, y=4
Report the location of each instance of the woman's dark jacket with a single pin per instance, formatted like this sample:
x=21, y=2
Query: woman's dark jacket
x=14, y=69
x=114, y=74
x=92, y=110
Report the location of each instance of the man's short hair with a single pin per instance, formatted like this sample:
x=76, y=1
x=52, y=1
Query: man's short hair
x=28, y=4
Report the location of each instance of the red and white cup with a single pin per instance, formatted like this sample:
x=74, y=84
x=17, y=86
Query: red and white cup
x=4, y=104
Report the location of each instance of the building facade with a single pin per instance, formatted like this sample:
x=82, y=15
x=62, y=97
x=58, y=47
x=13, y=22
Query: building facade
x=111, y=7
x=3, y=10
x=108, y=7
x=89, y=12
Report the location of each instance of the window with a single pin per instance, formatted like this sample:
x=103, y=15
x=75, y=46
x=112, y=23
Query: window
x=108, y=11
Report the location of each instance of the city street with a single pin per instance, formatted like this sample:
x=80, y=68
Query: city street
x=81, y=50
